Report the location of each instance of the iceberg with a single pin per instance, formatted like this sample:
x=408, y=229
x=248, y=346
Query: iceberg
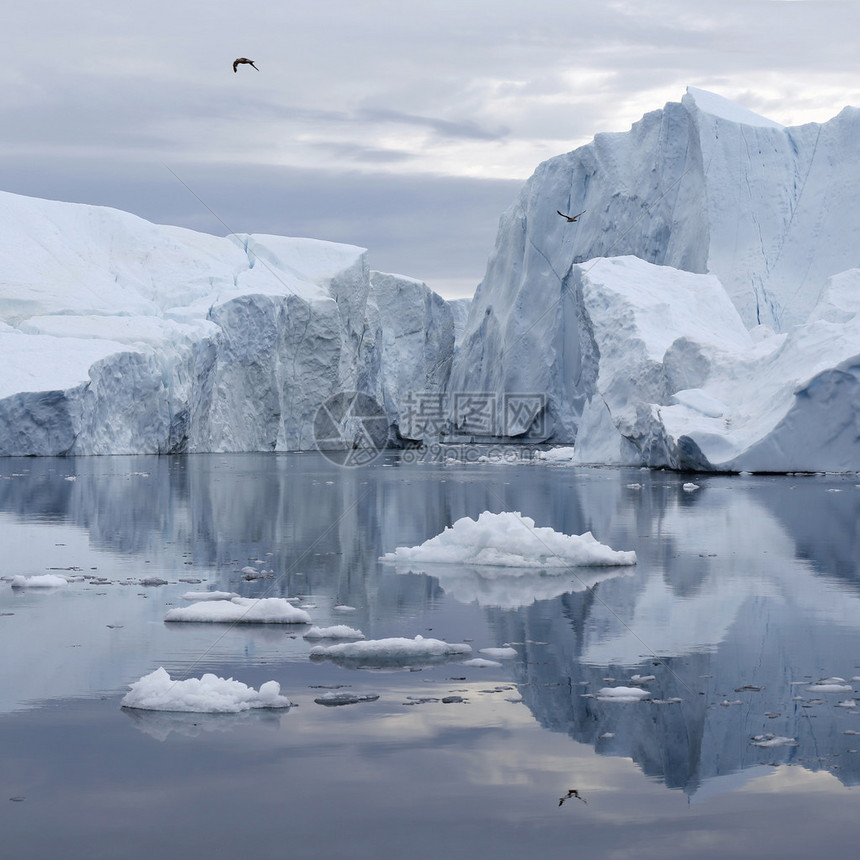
x=241, y=610
x=395, y=652
x=119, y=336
x=701, y=315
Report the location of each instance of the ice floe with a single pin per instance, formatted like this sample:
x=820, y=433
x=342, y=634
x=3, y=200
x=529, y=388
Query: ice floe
x=46, y=580
x=481, y=663
x=509, y=539
x=767, y=741
x=209, y=694
x=831, y=685
x=266, y=610
x=198, y=596
x=393, y=652
x=345, y=697
x=337, y=631
x=505, y=653
x=623, y=695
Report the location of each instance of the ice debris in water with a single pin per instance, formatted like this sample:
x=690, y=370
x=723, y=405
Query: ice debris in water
x=624, y=695
x=338, y=631
x=505, y=653
x=345, y=697
x=391, y=652
x=830, y=685
x=209, y=694
x=508, y=539
x=266, y=610
x=767, y=741
x=198, y=596
x=47, y=580
x=481, y=663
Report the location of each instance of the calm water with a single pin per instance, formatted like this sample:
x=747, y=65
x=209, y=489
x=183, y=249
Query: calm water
x=746, y=591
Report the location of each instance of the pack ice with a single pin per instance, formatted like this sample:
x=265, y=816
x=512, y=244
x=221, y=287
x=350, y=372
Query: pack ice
x=701, y=314
x=122, y=336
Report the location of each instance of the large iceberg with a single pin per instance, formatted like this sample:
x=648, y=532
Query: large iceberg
x=122, y=336
x=703, y=312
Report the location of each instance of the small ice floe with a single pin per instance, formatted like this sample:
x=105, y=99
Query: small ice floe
x=727, y=704
x=556, y=455
x=345, y=697
x=506, y=653
x=673, y=701
x=394, y=652
x=606, y=736
x=45, y=580
x=338, y=631
x=189, y=580
x=636, y=486
x=768, y=741
x=250, y=574
x=266, y=610
x=830, y=685
x=153, y=580
x=481, y=663
x=748, y=688
x=622, y=695
x=342, y=607
x=453, y=700
x=851, y=732
x=848, y=703
x=508, y=539
x=207, y=695
x=198, y=596
x=639, y=680
x=690, y=488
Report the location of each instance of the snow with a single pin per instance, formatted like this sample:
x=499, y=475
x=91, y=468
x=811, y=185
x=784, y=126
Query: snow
x=209, y=694
x=509, y=539
x=45, y=580
x=392, y=652
x=337, y=631
x=236, y=610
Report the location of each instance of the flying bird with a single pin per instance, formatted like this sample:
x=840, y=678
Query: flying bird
x=241, y=60
x=570, y=218
x=573, y=792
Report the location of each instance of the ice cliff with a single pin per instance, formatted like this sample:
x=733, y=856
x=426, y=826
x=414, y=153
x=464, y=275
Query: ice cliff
x=121, y=336
x=703, y=311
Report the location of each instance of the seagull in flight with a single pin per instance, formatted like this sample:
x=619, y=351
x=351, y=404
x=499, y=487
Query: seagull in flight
x=570, y=218
x=573, y=792
x=240, y=60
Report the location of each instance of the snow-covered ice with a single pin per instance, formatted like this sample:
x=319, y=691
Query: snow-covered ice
x=509, y=539
x=209, y=694
x=45, y=580
x=392, y=652
x=504, y=653
x=265, y=610
x=481, y=663
x=345, y=697
x=622, y=695
x=336, y=631
x=199, y=596
x=769, y=741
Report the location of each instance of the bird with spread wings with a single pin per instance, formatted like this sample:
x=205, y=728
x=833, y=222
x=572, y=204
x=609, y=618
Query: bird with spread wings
x=570, y=218
x=237, y=62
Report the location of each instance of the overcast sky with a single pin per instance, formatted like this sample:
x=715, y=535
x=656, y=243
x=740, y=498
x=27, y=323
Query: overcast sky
x=400, y=126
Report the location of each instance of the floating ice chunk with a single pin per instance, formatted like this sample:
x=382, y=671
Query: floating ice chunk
x=636, y=486
x=46, y=580
x=690, y=488
x=506, y=653
x=338, y=631
x=622, y=694
x=153, y=580
x=848, y=703
x=767, y=741
x=639, y=680
x=342, y=607
x=727, y=704
x=606, y=736
x=345, y=697
x=556, y=455
x=207, y=695
x=509, y=539
x=266, y=610
x=198, y=596
x=481, y=663
x=831, y=685
x=394, y=652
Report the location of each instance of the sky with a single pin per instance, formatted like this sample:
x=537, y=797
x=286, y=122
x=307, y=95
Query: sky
x=403, y=127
